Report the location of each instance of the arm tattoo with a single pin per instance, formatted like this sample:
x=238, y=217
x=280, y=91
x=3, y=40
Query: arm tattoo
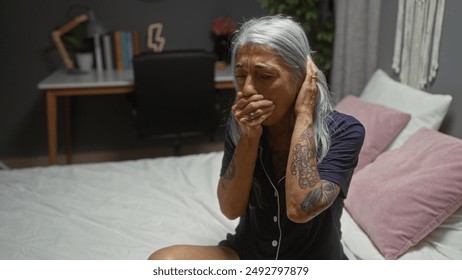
x=303, y=162
x=230, y=172
x=319, y=199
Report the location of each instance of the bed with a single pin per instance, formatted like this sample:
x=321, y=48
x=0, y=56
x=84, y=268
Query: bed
x=126, y=210
x=114, y=210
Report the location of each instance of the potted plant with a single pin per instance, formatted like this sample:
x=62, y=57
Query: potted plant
x=221, y=29
x=317, y=18
x=81, y=46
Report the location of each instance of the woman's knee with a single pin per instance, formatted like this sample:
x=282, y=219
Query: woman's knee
x=189, y=252
x=167, y=253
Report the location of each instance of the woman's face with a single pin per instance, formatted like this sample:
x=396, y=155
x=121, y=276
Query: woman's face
x=259, y=70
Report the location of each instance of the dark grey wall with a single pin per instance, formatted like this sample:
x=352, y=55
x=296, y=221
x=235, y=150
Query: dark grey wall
x=27, y=55
x=448, y=79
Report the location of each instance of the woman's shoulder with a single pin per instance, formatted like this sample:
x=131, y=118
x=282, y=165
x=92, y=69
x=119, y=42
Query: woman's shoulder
x=343, y=124
x=343, y=118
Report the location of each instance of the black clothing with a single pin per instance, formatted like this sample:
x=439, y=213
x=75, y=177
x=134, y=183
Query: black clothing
x=264, y=230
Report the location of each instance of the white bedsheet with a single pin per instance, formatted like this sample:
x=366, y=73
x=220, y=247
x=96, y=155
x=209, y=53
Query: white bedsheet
x=126, y=210
x=121, y=210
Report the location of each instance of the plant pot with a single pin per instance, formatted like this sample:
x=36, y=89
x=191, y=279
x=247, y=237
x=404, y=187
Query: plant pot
x=221, y=47
x=84, y=61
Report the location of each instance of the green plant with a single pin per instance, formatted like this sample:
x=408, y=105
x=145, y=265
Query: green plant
x=76, y=39
x=317, y=18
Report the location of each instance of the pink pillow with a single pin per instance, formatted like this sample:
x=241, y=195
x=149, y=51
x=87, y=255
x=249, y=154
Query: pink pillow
x=406, y=193
x=382, y=125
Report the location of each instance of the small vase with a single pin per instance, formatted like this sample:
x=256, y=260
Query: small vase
x=221, y=48
x=84, y=61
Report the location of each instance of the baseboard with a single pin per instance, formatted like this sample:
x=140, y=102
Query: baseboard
x=105, y=156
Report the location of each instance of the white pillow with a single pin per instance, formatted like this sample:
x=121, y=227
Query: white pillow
x=445, y=242
x=426, y=110
x=447, y=238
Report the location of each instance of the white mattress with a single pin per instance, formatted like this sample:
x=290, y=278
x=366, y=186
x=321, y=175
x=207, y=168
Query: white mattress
x=122, y=210
x=126, y=210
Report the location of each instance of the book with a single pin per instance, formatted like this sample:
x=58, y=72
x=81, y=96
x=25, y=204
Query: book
x=107, y=52
x=130, y=53
x=118, y=49
x=124, y=49
x=136, y=43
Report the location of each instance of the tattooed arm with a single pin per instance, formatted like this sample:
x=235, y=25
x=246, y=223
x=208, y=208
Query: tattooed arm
x=234, y=186
x=306, y=194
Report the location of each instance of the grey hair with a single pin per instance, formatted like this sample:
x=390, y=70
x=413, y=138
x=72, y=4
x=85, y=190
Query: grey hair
x=287, y=38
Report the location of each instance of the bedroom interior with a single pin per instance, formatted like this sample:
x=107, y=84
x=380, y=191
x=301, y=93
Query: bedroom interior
x=115, y=202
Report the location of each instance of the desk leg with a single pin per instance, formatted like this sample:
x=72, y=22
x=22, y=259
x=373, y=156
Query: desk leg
x=52, y=128
x=67, y=117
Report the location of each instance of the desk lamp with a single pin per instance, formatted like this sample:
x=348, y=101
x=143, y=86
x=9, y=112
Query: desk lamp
x=94, y=29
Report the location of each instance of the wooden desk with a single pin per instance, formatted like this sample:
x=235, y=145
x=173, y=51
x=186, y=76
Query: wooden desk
x=62, y=84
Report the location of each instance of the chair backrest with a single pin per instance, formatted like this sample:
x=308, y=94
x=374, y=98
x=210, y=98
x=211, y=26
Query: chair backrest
x=175, y=93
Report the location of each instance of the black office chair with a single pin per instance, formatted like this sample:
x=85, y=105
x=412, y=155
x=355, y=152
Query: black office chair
x=175, y=94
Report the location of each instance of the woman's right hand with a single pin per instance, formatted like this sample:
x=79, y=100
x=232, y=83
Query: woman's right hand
x=250, y=112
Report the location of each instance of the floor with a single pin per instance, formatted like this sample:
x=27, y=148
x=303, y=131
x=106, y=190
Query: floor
x=160, y=148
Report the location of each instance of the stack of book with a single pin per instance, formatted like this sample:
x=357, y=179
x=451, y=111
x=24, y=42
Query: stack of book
x=119, y=47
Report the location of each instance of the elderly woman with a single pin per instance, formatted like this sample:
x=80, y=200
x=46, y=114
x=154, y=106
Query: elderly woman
x=288, y=157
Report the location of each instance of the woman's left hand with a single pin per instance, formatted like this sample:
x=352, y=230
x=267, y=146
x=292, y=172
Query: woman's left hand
x=306, y=99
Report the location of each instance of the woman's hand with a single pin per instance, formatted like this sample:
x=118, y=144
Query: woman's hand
x=250, y=112
x=306, y=99
x=234, y=187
